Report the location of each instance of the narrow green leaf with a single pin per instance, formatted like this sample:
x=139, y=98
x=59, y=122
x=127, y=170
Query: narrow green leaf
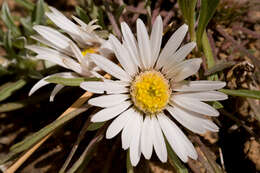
x=209, y=55
x=219, y=67
x=1, y=34
x=75, y=146
x=27, y=25
x=95, y=126
x=82, y=14
x=188, y=11
x=8, y=19
x=7, y=43
x=36, y=137
x=174, y=160
x=129, y=167
x=217, y=105
x=101, y=18
x=27, y=4
x=93, y=13
x=4, y=71
x=39, y=12
x=6, y=107
x=207, y=10
x=19, y=42
x=85, y=157
x=254, y=94
x=69, y=81
x=7, y=89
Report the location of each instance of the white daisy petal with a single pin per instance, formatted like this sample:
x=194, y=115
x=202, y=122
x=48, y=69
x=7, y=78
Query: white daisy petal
x=156, y=38
x=144, y=44
x=179, y=56
x=130, y=128
x=101, y=87
x=42, y=82
x=158, y=140
x=53, y=36
x=177, y=140
x=119, y=123
x=73, y=65
x=48, y=54
x=192, y=121
x=80, y=22
x=184, y=69
x=78, y=54
x=110, y=67
x=71, y=28
x=61, y=21
x=56, y=89
x=194, y=105
x=171, y=46
x=123, y=56
x=204, y=96
x=146, y=138
x=39, y=84
x=56, y=57
x=201, y=85
x=108, y=100
x=131, y=44
x=50, y=44
x=111, y=112
x=106, y=49
x=135, y=149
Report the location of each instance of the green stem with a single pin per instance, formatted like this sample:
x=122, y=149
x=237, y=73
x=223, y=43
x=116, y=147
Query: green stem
x=192, y=20
x=129, y=166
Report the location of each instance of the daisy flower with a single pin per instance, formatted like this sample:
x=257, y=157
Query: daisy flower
x=151, y=91
x=64, y=52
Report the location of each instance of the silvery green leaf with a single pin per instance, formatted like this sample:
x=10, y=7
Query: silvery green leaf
x=8, y=20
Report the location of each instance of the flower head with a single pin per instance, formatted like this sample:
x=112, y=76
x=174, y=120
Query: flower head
x=151, y=86
x=61, y=50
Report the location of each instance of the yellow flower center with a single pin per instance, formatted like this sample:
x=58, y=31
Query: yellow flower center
x=150, y=92
x=89, y=50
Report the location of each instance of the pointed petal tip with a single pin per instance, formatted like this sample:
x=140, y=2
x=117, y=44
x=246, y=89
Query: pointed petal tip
x=185, y=27
x=159, y=17
x=30, y=93
x=163, y=160
x=193, y=43
x=217, y=113
x=108, y=136
x=35, y=27
x=125, y=147
x=134, y=164
x=194, y=156
x=224, y=84
x=111, y=36
x=95, y=120
x=139, y=20
x=123, y=24
x=30, y=47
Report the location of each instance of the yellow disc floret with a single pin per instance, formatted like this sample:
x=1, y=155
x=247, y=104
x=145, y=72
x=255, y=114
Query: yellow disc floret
x=89, y=50
x=150, y=92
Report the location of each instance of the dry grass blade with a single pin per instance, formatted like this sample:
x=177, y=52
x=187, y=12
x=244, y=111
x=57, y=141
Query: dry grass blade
x=24, y=157
x=75, y=146
x=92, y=144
